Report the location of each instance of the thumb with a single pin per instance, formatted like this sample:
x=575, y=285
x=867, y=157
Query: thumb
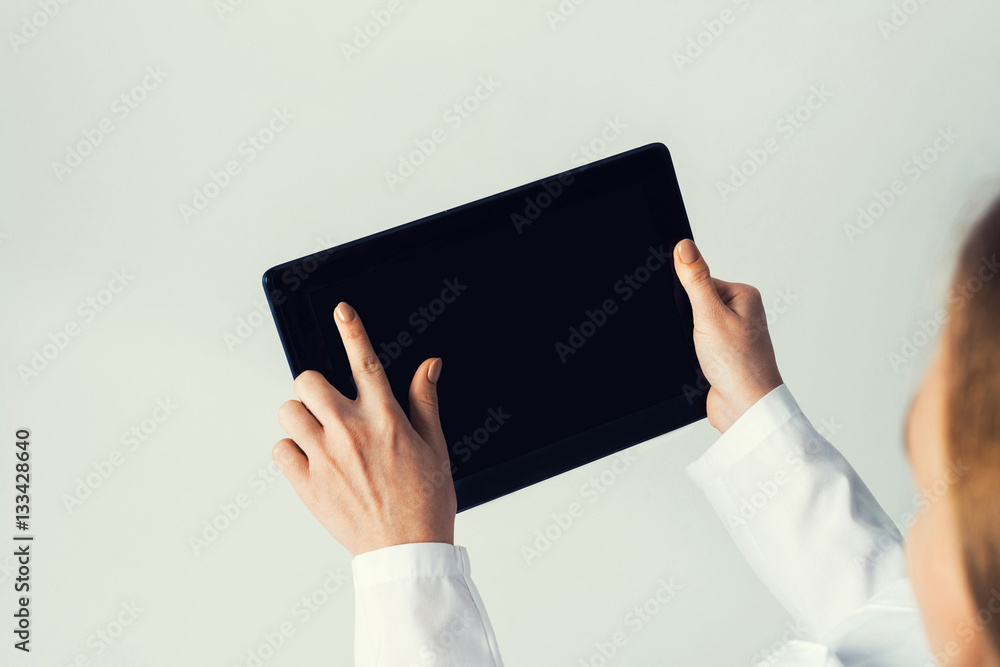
x=692, y=271
x=424, y=405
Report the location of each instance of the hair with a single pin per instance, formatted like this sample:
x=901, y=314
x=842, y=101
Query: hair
x=973, y=408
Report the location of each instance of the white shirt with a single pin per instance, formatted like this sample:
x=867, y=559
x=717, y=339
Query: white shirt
x=800, y=515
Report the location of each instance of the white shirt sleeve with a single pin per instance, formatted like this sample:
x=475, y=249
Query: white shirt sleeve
x=817, y=538
x=801, y=516
x=416, y=605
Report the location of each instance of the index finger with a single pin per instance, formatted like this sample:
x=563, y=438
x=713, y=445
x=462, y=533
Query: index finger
x=365, y=365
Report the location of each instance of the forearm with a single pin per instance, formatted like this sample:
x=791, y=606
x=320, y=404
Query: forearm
x=799, y=513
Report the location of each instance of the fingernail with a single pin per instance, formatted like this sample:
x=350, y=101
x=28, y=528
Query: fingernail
x=689, y=252
x=345, y=313
x=434, y=371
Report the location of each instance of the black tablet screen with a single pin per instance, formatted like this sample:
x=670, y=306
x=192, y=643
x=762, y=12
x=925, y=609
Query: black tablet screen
x=554, y=307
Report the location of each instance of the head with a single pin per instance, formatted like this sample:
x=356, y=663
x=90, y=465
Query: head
x=953, y=444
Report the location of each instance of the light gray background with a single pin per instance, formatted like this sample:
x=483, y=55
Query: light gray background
x=321, y=182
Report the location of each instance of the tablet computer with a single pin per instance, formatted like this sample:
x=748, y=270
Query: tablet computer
x=564, y=331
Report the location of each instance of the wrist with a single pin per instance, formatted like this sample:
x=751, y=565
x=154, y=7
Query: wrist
x=418, y=537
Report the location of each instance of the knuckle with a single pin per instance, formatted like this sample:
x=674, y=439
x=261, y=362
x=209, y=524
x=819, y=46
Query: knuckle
x=427, y=402
x=756, y=317
x=757, y=324
x=281, y=453
x=307, y=380
x=387, y=427
x=286, y=410
x=285, y=455
x=701, y=277
x=390, y=429
x=370, y=365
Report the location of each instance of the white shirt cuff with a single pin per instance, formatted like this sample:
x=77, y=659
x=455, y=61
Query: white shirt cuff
x=409, y=561
x=755, y=425
x=417, y=604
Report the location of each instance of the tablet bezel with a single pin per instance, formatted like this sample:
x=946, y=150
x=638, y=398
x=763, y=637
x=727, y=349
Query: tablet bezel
x=295, y=322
